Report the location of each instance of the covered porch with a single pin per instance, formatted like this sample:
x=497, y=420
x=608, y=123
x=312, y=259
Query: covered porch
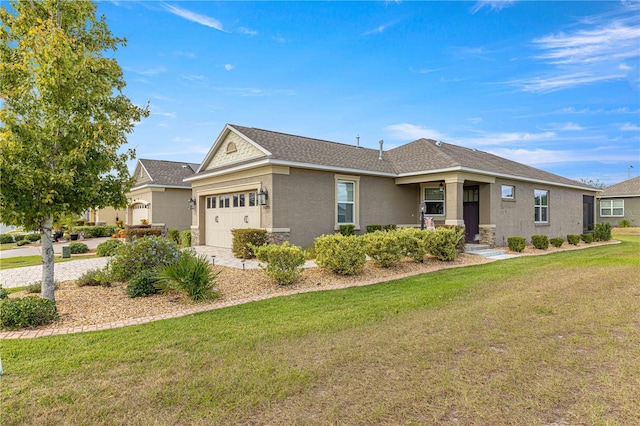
x=457, y=199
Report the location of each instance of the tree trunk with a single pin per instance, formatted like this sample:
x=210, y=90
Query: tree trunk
x=47, y=259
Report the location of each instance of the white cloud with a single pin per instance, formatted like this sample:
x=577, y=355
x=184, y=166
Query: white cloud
x=505, y=138
x=180, y=139
x=629, y=127
x=147, y=71
x=475, y=120
x=545, y=156
x=491, y=4
x=553, y=83
x=253, y=91
x=195, y=17
x=407, y=131
x=565, y=127
x=243, y=30
x=228, y=67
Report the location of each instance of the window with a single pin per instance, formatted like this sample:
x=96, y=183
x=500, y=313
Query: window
x=612, y=208
x=224, y=201
x=211, y=202
x=235, y=200
x=508, y=192
x=541, y=206
x=346, y=202
x=252, y=199
x=434, y=201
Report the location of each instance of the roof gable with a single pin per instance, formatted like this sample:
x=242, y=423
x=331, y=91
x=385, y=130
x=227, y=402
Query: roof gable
x=232, y=147
x=163, y=173
x=627, y=188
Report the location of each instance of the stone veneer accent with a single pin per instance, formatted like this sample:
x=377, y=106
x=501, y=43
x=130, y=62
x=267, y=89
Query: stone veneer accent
x=278, y=237
x=487, y=234
x=195, y=236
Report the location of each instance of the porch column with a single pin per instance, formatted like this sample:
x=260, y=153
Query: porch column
x=453, y=202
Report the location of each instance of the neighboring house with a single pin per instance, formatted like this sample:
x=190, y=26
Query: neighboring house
x=160, y=195
x=620, y=201
x=314, y=186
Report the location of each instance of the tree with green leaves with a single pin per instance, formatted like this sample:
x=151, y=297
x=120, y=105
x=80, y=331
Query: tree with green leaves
x=63, y=117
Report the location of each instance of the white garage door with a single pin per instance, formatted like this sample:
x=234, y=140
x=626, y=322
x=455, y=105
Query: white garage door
x=139, y=212
x=226, y=212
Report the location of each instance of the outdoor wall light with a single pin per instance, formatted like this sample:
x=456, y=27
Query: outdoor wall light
x=441, y=187
x=192, y=203
x=262, y=197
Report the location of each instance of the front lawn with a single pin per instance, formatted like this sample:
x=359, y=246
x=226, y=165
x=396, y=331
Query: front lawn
x=532, y=340
x=21, y=261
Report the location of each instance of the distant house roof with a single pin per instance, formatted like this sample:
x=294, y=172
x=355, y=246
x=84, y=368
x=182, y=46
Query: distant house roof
x=628, y=188
x=422, y=156
x=163, y=173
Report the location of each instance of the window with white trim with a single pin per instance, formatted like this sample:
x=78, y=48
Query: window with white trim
x=508, y=192
x=541, y=206
x=612, y=208
x=211, y=202
x=346, y=202
x=434, y=201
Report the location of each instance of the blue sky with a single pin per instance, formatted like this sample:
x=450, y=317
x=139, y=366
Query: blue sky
x=555, y=85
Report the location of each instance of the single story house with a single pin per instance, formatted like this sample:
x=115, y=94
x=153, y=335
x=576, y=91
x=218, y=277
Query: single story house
x=160, y=196
x=620, y=201
x=298, y=188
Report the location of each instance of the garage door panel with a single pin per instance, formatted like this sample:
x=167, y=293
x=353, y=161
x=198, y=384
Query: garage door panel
x=219, y=221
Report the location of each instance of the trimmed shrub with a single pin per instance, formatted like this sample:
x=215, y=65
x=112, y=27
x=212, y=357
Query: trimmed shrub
x=624, y=223
x=413, y=243
x=174, y=235
x=516, y=244
x=462, y=244
x=189, y=274
x=185, y=238
x=342, y=254
x=383, y=248
x=244, y=239
x=283, y=262
x=541, y=242
x=140, y=255
x=23, y=243
x=3, y=293
x=374, y=228
x=93, y=277
x=78, y=248
x=143, y=284
x=391, y=227
x=573, y=239
x=556, y=242
x=6, y=238
x=32, y=237
x=347, y=230
x=140, y=231
x=108, y=247
x=27, y=312
x=587, y=238
x=443, y=242
x=602, y=232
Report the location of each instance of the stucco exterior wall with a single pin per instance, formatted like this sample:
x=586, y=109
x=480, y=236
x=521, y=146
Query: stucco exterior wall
x=516, y=217
x=631, y=212
x=170, y=207
x=305, y=202
x=108, y=215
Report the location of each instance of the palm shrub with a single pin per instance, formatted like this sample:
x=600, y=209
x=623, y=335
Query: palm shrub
x=342, y=254
x=189, y=274
x=516, y=244
x=541, y=242
x=139, y=255
x=383, y=248
x=78, y=248
x=573, y=239
x=413, y=242
x=283, y=262
x=556, y=242
x=27, y=311
x=602, y=232
x=108, y=247
x=443, y=242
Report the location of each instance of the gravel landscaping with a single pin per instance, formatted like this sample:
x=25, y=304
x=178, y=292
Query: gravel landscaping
x=81, y=306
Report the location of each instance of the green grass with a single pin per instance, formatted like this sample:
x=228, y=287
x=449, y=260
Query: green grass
x=8, y=246
x=530, y=340
x=22, y=261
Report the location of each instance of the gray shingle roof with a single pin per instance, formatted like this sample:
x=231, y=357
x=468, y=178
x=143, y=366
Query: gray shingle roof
x=629, y=188
x=170, y=173
x=420, y=156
